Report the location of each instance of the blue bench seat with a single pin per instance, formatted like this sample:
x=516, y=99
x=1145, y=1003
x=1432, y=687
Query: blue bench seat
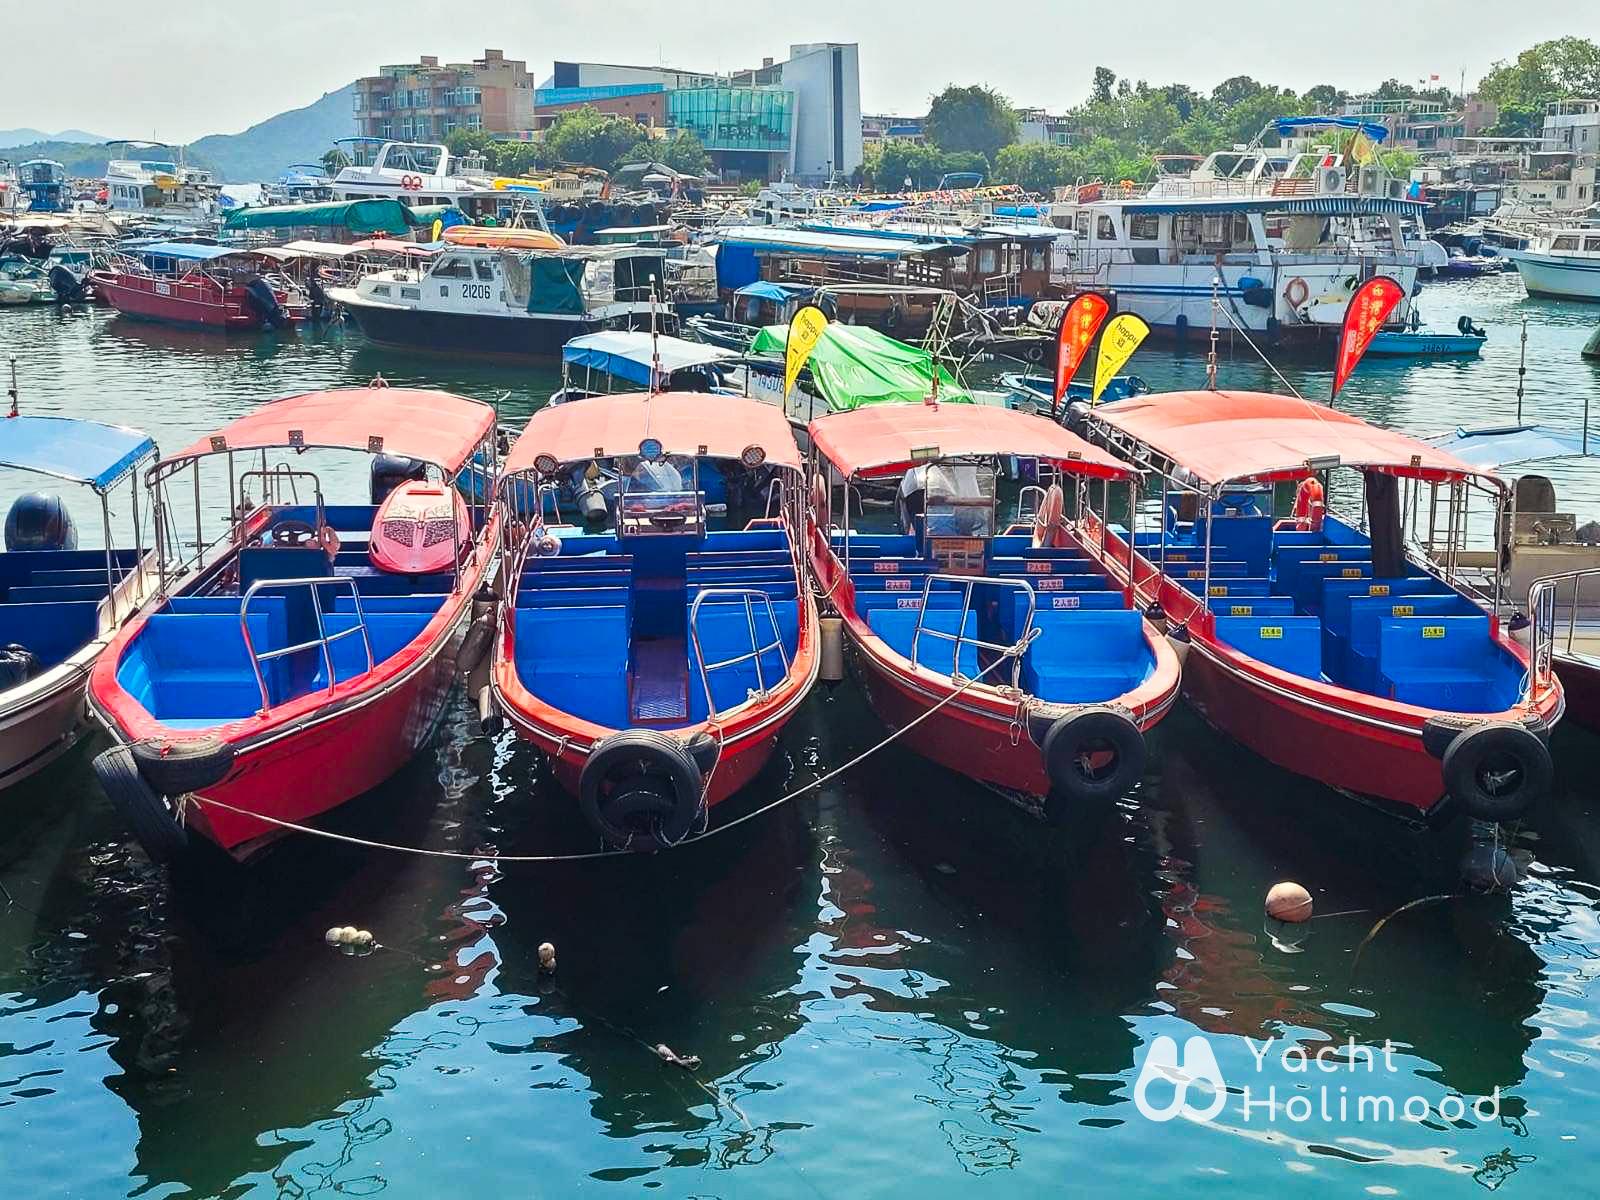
x=897, y=627
x=724, y=633
x=52, y=632
x=561, y=564
x=558, y=597
x=565, y=580
x=1086, y=656
x=574, y=660
x=1259, y=586
x=1252, y=606
x=1446, y=663
x=50, y=595
x=1351, y=657
x=1291, y=644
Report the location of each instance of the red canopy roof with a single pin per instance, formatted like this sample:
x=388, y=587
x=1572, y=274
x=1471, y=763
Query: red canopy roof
x=435, y=427
x=884, y=439
x=1226, y=436
x=683, y=422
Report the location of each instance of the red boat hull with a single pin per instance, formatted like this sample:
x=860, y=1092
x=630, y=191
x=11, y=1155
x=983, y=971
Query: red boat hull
x=304, y=758
x=1349, y=740
x=982, y=733
x=192, y=300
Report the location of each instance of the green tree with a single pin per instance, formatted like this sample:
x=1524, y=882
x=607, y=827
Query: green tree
x=1104, y=80
x=1036, y=166
x=683, y=152
x=587, y=137
x=334, y=161
x=467, y=141
x=1232, y=91
x=1324, y=98
x=972, y=118
x=1553, y=70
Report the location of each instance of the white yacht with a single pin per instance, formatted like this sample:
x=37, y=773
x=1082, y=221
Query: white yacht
x=155, y=182
x=1562, y=261
x=1289, y=234
x=510, y=292
x=417, y=173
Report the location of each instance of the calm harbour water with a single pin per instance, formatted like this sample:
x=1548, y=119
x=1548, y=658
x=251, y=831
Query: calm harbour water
x=897, y=985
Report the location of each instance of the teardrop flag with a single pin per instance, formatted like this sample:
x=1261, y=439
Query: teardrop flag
x=805, y=331
x=1121, y=338
x=1079, y=324
x=1368, y=309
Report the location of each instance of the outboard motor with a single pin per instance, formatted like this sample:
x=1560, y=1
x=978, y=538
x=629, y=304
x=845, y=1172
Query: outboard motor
x=263, y=301
x=389, y=471
x=68, y=287
x=17, y=666
x=39, y=521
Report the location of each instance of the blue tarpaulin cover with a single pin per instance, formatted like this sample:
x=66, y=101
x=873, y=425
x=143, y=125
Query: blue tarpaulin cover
x=781, y=292
x=627, y=354
x=82, y=451
x=1371, y=128
x=1501, y=445
x=193, y=251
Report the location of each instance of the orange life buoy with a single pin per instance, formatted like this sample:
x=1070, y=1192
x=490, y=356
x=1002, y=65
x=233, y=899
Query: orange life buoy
x=1049, y=515
x=1309, y=505
x=1297, y=293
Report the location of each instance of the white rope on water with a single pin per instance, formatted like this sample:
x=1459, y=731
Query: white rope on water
x=495, y=857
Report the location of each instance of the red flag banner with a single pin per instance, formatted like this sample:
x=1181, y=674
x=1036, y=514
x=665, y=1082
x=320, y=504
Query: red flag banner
x=1368, y=309
x=1079, y=324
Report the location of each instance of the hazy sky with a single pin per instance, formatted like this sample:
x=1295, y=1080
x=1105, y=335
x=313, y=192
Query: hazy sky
x=179, y=69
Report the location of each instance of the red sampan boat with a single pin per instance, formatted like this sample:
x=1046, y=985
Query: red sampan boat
x=217, y=287
x=283, y=673
x=656, y=664
x=1319, y=641
x=939, y=603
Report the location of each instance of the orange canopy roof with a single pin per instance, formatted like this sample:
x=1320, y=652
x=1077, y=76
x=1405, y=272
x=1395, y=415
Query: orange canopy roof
x=1226, y=436
x=683, y=422
x=436, y=427
x=884, y=439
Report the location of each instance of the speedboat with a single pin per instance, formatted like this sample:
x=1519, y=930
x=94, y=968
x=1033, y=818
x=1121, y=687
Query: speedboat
x=1415, y=342
x=656, y=664
x=1561, y=262
x=1045, y=677
x=304, y=655
x=1328, y=643
x=61, y=605
x=216, y=287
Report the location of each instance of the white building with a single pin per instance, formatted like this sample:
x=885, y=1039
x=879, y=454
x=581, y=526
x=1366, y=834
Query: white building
x=825, y=78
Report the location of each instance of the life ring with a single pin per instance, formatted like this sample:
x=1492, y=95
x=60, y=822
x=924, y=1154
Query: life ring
x=1049, y=515
x=185, y=765
x=1092, y=757
x=640, y=785
x=411, y=183
x=1297, y=292
x=1309, y=505
x=1496, y=770
x=148, y=816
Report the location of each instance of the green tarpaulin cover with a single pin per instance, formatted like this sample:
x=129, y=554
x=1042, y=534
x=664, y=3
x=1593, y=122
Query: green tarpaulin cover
x=555, y=286
x=854, y=365
x=357, y=216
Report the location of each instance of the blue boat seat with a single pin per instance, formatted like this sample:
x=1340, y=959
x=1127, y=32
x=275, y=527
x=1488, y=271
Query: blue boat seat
x=574, y=660
x=1220, y=569
x=896, y=626
x=557, y=597
x=1352, y=659
x=51, y=632
x=564, y=563
x=1446, y=663
x=536, y=580
x=194, y=667
x=1044, y=584
x=49, y=595
x=1253, y=606
x=281, y=562
x=1338, y=594
x=1229, y=587
x=1288, y=562
x=739, y=576
x=389, y=633
x=775, y=591
x=89, y=575
x=421, y=602
x=1086, y=656
x=1291, y=644
x=1063, y=601
x=737, y=558
x=901, y=545
x=1310, y=576
x=724, y=633
x=746, y=539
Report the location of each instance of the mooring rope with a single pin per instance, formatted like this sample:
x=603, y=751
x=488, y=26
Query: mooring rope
x=1011, y=652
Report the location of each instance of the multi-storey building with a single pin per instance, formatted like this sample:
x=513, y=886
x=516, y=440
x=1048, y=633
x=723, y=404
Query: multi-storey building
x=426, y=101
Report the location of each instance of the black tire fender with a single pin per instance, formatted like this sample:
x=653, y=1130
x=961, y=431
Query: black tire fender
x=183, y=765
x=147, y=815
x=640, y=783
x=1101, y=731
x=1496, y=770
x=480, y=635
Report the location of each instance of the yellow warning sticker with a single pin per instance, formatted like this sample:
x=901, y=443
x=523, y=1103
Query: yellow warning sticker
x=1403, y=610
x=1433, y=631
x=1350, y=572
x=1240, y=610
x=1327, y=558
x=1378, y=589
x=1197, y=572
x=1217, y=589
x=1272, y=633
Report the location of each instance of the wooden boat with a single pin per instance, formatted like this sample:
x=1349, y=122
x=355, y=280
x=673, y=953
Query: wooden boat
x=211, y=286
x=59, y=605
x=1062, y=724
x=280, y=673
x=656, y=664
x=1319, y=641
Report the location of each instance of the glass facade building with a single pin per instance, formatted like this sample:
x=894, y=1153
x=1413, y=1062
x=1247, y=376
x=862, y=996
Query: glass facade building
x=735, y=119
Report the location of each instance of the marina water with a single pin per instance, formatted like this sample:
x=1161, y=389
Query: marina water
x=896, y=985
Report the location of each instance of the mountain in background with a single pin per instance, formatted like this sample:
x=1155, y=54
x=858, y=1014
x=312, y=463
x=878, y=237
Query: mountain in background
x=262, y=152
x=258, y=155
x=10, y=138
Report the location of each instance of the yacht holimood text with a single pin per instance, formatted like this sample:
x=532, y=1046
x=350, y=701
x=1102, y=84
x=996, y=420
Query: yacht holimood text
x=1327, y=1085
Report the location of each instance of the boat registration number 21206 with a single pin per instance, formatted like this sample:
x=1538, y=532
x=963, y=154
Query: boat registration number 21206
x=474, y=291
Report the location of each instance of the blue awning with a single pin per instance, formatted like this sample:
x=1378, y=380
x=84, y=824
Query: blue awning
x=769, y=239
x=780, y=292
x=1371, y=128
x=188, y=251
x=81, y=451
x=1495, y=446
x=626, y=354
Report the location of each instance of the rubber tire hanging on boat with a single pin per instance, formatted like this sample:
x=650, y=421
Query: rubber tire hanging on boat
x=649, y=775
x=480, y=634
x=1074, y=735
x=1492, y=746
x=186, y=765
x=146, y=813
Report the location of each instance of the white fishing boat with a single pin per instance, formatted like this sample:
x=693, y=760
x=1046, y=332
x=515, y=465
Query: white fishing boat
x=155, y=182
x=1561, y=262
x=420, y=173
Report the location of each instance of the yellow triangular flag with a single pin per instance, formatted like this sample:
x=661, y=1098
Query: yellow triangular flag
x=805, y=331
x=1118, y=340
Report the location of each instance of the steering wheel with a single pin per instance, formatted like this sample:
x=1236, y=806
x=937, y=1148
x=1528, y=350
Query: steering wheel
x=291, y=532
